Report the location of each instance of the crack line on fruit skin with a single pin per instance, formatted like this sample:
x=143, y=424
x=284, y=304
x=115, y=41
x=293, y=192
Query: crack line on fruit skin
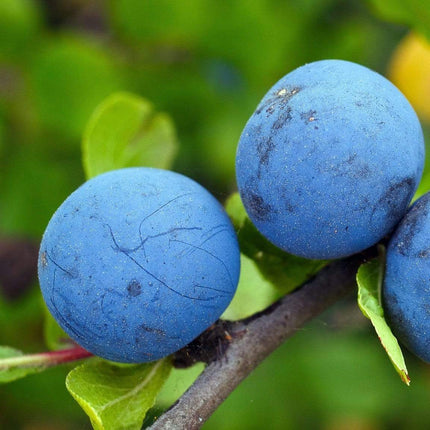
x=198, y=247
x=127, y=254
x=164, y=234
x=57, y=312
x=114, y=321
x=221, y=229
x=204, y=287
x=74, y=276
x=158, y=210
x=144, y=240
x=66, y=322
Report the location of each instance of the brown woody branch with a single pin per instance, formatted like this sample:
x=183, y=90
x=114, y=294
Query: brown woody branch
x=252, y=340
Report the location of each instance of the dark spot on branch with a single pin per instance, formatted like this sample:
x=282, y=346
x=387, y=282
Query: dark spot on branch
x=210, y=346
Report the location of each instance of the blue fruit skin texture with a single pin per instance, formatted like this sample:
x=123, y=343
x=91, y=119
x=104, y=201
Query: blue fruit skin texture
x=329, y=161
x=137, y=262
x=406, y=289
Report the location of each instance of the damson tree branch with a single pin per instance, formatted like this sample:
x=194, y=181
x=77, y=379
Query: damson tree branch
x=253, y=339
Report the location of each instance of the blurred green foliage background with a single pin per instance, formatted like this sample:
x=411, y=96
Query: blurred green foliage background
x=207, y=63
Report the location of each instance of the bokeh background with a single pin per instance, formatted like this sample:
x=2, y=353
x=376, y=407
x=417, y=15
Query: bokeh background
x=206, y=63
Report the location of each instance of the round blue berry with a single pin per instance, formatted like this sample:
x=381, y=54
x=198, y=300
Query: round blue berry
x=330, y=160
x=137, y=262
x=406, y=289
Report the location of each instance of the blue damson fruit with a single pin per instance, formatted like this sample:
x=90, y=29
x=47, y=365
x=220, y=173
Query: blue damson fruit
x=329, y=161
x=406, y=288
x=137, y=262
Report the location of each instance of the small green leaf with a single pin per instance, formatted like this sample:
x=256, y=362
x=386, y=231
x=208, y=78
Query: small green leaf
x=369, y=280
x=178, y=382
x=414, y=13
x=11, y=373
x=117, y=396
x=125, y=131
x=254, y=293
x=284, y=271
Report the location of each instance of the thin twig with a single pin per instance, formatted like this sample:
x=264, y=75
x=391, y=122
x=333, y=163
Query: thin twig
x=254, y=339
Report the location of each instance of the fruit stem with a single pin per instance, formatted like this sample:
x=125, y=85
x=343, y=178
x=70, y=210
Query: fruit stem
x=44, y=359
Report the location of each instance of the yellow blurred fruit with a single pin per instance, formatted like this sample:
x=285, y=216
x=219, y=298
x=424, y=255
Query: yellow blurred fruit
x=409, y=70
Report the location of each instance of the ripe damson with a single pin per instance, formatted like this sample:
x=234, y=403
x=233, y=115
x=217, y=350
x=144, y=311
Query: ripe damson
x=329, y=161
x=137, y=262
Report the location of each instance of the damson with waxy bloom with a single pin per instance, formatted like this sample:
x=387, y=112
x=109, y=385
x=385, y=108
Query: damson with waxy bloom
x=329, y=161
x=138, y=262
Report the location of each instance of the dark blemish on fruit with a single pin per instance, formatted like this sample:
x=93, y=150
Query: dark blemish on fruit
x=409, y=226
x=264, y=148
x=353, y=167
x=144, y=328
x=309, y=116
x=290, y=207
x=256, y=206
x=278, y=100
x=351, y=158
x=283, y=118
x=396, y=198
x=134, y=288
x=425, y=253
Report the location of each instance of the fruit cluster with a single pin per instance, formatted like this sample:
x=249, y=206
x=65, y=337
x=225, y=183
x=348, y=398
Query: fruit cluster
x=137, y=262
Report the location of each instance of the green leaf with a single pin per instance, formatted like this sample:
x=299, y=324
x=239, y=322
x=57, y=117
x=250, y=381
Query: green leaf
x=254, y=293
x=125, y=131
x=178, y=382
x=414, y=13
x=285, y=271
x=369, y=280
x=117, y=396
x=11, y=373
x=70, y=75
